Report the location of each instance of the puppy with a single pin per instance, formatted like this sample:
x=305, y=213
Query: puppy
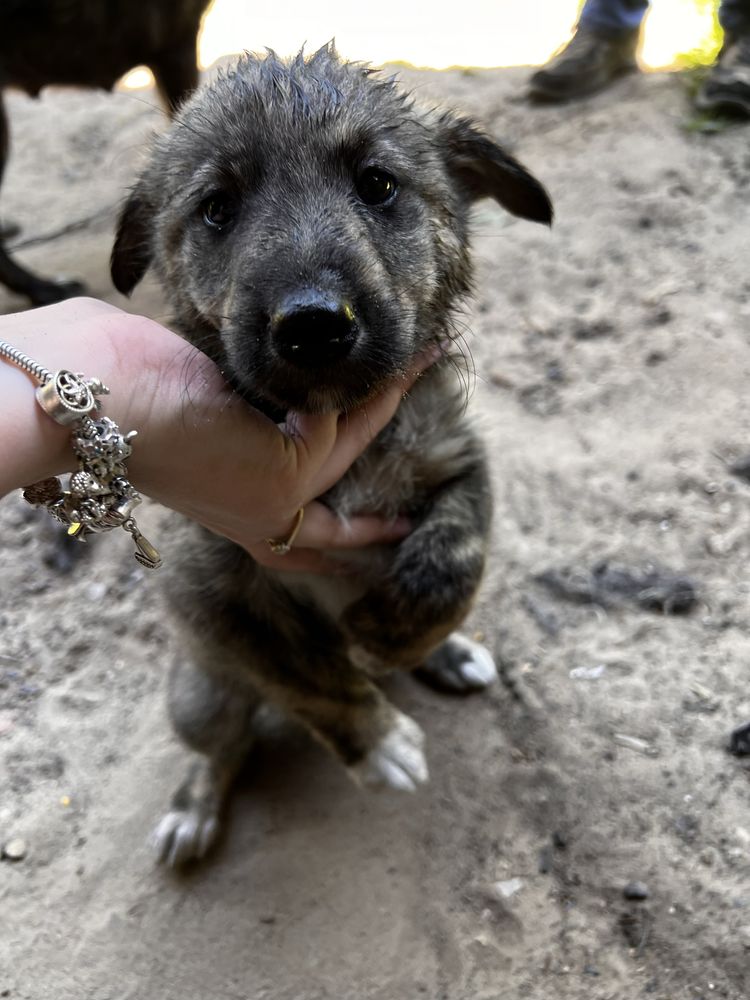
x=310, y=226
x=87, y=43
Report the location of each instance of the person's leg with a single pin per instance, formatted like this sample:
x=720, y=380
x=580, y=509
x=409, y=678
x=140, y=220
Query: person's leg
x=602, y=48
x=727, y=86
x=734, y=16
x=613, y=17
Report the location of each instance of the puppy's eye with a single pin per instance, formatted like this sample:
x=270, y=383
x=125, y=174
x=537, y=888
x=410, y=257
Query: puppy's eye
x=376, y=187
x=218, y=210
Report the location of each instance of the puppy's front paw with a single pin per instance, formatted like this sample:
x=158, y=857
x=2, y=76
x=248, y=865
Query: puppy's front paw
x=184, y=835
x=459, y=665
x=397, y=761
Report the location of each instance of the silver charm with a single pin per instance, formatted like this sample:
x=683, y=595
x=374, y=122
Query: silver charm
x=68, y=397
x=99, y=496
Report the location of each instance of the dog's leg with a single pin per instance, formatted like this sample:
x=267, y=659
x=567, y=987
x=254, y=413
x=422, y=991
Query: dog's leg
x=406, y=620
x=41, y=291
x=379, y=745
x=342, y=707
x=214, y=719
x=7, y=229
x=176, y=71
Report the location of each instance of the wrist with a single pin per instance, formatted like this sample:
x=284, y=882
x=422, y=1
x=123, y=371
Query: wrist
x=127, y=353
x=32, y=446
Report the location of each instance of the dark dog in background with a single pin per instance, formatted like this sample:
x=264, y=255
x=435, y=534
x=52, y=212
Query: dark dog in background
x=90, y=43
x=310, y=225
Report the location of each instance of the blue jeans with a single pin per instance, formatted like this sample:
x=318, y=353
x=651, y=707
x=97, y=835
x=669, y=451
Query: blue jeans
x=621, y=17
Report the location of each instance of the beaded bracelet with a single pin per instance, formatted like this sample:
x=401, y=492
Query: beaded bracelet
x=98, y=496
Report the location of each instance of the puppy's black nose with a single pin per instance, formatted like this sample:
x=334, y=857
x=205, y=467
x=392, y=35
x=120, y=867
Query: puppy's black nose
x=312, y=329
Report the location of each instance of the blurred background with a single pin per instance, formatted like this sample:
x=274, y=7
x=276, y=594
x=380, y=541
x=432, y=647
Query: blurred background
x=429, y=33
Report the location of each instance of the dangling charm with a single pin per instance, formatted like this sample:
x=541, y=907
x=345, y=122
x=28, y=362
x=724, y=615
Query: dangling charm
x=98, y=496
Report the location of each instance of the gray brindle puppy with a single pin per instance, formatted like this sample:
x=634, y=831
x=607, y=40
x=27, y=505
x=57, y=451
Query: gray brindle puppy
x=310, y=226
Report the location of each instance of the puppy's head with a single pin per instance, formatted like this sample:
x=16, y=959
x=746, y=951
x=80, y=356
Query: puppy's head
x=309, y=224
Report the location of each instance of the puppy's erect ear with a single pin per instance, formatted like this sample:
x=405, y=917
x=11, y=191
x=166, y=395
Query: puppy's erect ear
x=131, y=253
x=484, y=170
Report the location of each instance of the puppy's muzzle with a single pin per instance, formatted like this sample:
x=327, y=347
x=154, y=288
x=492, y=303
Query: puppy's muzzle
x=313, y=329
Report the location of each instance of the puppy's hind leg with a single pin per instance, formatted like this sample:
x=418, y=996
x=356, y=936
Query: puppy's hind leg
x=459, y=666
x=215, y=719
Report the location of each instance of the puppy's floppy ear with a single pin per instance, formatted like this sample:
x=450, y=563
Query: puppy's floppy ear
x=131, y=254
x=484, y=170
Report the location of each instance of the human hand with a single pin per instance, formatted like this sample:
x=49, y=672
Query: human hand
x=200, y=449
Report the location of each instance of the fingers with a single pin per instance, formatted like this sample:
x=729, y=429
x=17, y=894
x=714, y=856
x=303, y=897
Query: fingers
x=334, y=442
x=322, y=529
x=321, y=532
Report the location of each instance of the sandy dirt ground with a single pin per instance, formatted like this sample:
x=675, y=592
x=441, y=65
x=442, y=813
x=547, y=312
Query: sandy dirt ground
x=613, y=366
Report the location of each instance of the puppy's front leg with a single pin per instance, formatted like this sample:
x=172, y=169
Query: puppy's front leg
x=214, y=718
x=405, y=620
x=344, y=709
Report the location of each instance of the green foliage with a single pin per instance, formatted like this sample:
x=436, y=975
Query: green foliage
x=707, y=49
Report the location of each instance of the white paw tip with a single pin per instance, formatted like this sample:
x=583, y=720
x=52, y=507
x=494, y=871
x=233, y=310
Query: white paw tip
x=182, y=835
x=397, y=761
x=479, y=670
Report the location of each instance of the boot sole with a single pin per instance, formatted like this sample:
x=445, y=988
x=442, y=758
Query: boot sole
x=727, y=103
x=550, y=95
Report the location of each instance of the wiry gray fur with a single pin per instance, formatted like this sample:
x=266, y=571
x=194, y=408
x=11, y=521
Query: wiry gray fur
x=285, y=144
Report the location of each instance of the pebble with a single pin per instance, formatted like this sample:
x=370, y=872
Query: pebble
x=741, y=468
x=96, y=591
x=15, y=850
x=546, y=859
x=636, y=890
x=509, y=887
x=589, y=673
x=634, y=743
x=739, y=741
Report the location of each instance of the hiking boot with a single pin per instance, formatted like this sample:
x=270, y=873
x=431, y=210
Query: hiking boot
x=727, y=86
x=589, y=62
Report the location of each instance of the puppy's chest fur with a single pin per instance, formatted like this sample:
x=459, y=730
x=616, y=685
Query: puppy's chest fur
x=426, y=444
x=430, y=442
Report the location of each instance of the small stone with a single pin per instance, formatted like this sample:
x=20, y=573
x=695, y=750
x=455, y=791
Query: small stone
x=509, y=887
x=739, y=741
x=636, y=890
x=96, y=591
x=15, y=850
x=708, y=857
x=588, y=673
x=660, y=317
x=634, y=743
x=546, y=861
x=741, y=468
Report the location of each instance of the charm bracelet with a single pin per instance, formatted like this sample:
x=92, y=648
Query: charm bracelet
x=98, y=496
